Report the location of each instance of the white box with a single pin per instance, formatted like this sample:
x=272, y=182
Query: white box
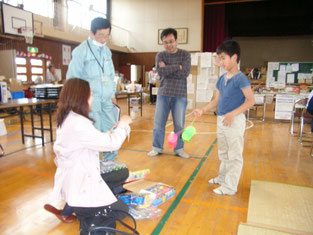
x=3, y=92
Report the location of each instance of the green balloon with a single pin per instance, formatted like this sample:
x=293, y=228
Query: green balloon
x=188, y=133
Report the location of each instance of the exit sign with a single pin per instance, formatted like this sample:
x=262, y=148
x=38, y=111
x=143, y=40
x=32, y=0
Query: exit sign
x=32, y=49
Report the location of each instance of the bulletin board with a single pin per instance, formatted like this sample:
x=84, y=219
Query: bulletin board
x=280, y=74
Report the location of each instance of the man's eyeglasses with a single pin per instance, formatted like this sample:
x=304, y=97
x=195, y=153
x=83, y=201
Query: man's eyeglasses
x=106, y=37
x=168, y=42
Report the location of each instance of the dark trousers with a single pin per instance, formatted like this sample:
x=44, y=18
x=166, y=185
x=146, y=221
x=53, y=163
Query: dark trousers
x=87, y=216
x=152, y=97
x=115, y=179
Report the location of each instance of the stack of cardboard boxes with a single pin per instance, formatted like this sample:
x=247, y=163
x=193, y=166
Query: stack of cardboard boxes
x=202, y=79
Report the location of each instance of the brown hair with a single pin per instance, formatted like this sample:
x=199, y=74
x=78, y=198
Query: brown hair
x=73, y=97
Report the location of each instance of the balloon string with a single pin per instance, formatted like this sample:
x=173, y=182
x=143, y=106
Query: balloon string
x=179, y=132
x=190, y=125
x=194, y=119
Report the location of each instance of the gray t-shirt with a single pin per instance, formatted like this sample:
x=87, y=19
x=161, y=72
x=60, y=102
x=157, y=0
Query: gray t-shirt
x=173, y=81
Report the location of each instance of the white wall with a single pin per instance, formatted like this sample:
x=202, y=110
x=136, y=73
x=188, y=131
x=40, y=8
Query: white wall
x=143, y=18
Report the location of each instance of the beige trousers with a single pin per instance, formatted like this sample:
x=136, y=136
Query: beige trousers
x=230, y=148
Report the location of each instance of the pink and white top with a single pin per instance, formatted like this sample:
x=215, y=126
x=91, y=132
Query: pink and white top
x=77, y=179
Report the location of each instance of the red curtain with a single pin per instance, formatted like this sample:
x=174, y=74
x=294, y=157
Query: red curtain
x=214, y=27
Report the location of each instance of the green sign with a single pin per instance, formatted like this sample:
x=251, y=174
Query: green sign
x=32, y=49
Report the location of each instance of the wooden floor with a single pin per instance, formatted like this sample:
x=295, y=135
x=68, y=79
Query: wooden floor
x=270, y=154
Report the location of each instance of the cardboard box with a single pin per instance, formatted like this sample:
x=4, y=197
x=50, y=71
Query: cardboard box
x=194, y=70
x=15, y=85
x=158, y=191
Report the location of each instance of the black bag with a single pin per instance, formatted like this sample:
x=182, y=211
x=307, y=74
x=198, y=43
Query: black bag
x=104, y=222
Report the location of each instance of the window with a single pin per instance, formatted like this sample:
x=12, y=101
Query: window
x=20, y=61
x=45, y=8
x=21, y=69
x=28, y=69
x=22, y=78
x=37, y=70
x=82, y=12
x=36, y=62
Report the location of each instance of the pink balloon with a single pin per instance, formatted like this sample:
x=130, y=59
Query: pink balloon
x=172, y=140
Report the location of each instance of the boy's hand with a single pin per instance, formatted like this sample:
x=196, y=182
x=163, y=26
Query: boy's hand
x=126, y=119
x=198, y=112
x=228, y=119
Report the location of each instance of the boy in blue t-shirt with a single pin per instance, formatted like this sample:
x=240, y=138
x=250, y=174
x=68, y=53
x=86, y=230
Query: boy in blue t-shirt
x=233, y=97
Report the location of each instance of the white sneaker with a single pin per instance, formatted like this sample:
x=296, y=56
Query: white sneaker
x=183, y=155
x=153, y=153
x=214, y=181
x=223, y=191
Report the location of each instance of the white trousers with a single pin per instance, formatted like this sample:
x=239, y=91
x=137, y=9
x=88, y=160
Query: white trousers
x=230, y=148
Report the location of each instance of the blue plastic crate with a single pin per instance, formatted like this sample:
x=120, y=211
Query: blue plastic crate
x=17, y=95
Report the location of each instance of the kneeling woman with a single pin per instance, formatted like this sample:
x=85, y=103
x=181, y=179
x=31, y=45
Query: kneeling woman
x=78, y=143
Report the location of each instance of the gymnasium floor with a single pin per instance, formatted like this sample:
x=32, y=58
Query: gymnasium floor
x=270, y=154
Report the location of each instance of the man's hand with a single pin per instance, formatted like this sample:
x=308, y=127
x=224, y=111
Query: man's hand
x=161, y=64
x=228, y=119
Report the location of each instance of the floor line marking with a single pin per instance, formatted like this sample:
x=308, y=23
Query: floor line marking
x=164, y=154
x=27, y=171
x=182, y=192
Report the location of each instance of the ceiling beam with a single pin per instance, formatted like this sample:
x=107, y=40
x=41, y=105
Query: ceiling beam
x=215, y=2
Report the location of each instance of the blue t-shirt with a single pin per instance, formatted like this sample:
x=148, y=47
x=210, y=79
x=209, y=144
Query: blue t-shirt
x=231, y=95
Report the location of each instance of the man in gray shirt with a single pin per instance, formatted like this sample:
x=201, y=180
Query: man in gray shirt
x=173, y=67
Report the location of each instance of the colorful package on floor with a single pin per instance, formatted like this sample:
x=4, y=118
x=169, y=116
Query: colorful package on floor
x=160, y=192
x=145, y=213
x=109, y=166
x=134, y=200
x=136, y=175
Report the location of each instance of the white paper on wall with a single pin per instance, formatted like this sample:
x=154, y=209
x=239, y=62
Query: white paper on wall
x=290, y=78
x=190, y=104
x=212, y=82
x=281, y=78
x=282, y=68
x=190, y=88
x=204, y=72
x=66, y=54
x=289, y=68
x=194, y=59
x=202, y=82
x=275, y=65
x=206, y=60
x=189, y=79
x=295, y=67
x=222, y=71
